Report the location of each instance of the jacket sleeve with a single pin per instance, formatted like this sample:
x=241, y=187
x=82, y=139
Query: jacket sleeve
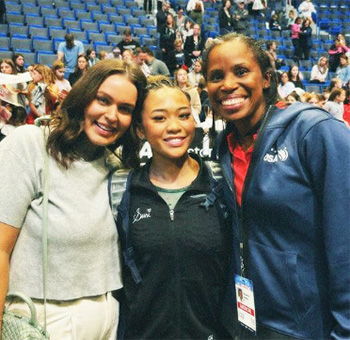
x=326, y=148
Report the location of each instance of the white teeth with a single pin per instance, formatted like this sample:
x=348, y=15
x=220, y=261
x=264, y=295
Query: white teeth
x=104, y=127
x=232, y=101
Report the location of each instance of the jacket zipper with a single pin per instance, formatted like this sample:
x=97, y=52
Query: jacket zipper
x=171, y=214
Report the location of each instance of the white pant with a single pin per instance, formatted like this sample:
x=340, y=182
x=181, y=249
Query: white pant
x=94, y=318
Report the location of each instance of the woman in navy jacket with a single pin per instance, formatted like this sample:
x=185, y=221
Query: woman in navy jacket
x=287, y=182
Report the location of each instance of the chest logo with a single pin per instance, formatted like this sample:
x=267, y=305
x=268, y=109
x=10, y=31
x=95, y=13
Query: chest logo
x=138, y=216
x=275, y=155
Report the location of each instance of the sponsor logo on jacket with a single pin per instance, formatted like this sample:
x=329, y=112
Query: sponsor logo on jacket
x=275, y=155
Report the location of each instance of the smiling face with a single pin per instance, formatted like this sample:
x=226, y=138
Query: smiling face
x=109, y=115
x=167, y=123
x=235, y=84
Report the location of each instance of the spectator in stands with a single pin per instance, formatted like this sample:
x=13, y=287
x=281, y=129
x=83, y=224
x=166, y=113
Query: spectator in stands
x=276, y=62
x=305, y=39
x=178, y=57
x=194, y=44
x=274, y=24
x=188, y=31
x=335, y=103
x=307, y=9
x=292, y=98
x=196, y=74
x=115, y=54
x=180, y=20
x=295, y=76
x=156, y=66
x=80, y=70
x=91, y=54
x=42, y=93
x=285, y=86
x=335, y=83
x=128, y=56
x=296, y=28
x=21, y=89
x=225, y=18
x=162, y=14
x=319, y=72
x=338, y=49
x=18, y=59
x=240, y=17
x=62, y=84
x=128, y=42
x=290, y=19
x=103, y=55
x=167, y=37
x=68, y=51
x=275, y=159
x=195, y=10
x=343, y=70
x=2, y=11
x=181, y=80
x=316, y=99
x=140, y=60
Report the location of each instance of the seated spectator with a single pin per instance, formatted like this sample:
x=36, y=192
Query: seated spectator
x=103, y=55
x=334, y=105
x=178, y=57
x=240, y=18
x=140, y=60
x=91, y=55
x=128, y=42
x=194, y=44
x=167, y=36
x=335, y=83
x=319, y=71
x=274, y=24
x=181, y=79
x=195, y=10
x=259, y=7
x=225, y=18
x=62, y=84
x=295, y=76
x=196, y=74
x=338, y=49
x=115, y=54
x=80, y=70
x=305, y=39
x=285, y=86
x=343, y=70
x=316, y=99
x=293, y=97
x=128, y=56
x=42, y=92
x=156, y=66
x=18, y=59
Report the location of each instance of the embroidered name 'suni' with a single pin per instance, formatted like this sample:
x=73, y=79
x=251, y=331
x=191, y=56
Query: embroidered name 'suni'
x=139, y=216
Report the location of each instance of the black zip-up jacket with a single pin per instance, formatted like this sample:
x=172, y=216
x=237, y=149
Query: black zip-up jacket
x=183, y=256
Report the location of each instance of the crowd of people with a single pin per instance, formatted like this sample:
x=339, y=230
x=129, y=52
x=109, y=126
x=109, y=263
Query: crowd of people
x=199, y=248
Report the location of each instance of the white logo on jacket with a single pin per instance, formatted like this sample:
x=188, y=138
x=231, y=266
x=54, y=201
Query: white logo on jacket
x=276, y=155
x=139, y=216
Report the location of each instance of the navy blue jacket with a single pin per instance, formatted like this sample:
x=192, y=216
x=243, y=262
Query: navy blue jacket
x=294, y=220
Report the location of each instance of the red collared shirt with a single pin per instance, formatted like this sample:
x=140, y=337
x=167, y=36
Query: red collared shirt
x=240, y=163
